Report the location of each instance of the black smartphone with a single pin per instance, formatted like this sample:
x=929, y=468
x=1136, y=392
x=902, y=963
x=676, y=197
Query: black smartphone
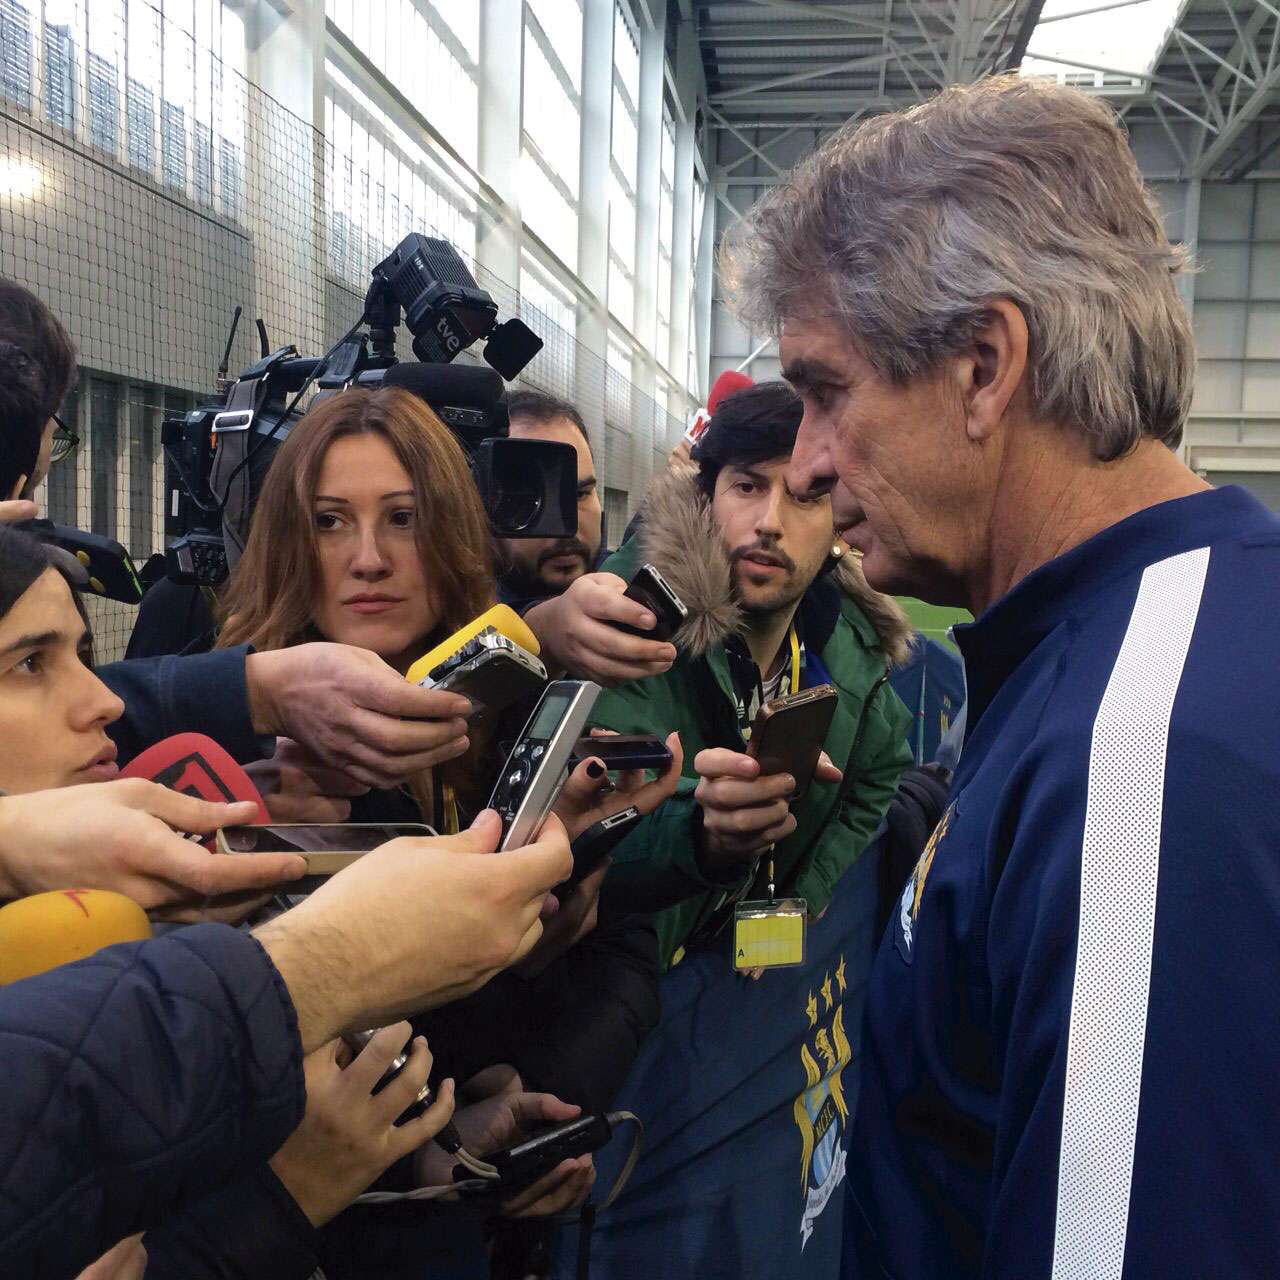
x=624, y=751
x=599, y=840
x=788, y=733
x=649, y=588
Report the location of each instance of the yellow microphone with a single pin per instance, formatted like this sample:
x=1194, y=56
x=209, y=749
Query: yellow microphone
x=48, y=929
x=502, y=618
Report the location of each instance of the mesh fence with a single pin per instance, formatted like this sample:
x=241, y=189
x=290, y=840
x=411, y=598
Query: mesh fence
x=147, y=189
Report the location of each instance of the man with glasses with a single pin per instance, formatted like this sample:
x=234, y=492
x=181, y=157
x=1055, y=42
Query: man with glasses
x=40, y=364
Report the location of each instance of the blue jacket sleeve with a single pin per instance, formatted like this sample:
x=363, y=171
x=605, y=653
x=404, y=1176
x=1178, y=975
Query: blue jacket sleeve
x=1134, y=939
x=184, y=693
x=138, y=1080
x=249, y=1228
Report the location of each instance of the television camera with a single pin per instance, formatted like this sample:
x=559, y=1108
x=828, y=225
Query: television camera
x=218, y=454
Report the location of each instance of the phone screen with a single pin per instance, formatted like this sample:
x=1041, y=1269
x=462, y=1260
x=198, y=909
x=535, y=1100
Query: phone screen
x=329, y=837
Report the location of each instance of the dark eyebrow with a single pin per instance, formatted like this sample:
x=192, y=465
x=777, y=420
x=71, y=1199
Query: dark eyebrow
x=42, y=640
x=804, y=373
x=587, y=482
x=346, y=502
x=749, y=472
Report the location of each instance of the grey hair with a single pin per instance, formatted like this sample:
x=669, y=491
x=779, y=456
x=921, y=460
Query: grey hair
x=906, y=227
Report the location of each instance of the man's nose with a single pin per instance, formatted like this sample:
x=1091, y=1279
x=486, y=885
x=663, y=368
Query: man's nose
x=810, y=471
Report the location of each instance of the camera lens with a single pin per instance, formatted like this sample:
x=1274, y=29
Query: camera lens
x=514, y=510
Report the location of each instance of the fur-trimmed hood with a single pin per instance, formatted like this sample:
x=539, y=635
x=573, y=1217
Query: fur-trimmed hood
x=678, y=536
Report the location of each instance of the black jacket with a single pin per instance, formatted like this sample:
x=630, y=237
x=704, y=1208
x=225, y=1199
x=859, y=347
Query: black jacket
x=136, y=1081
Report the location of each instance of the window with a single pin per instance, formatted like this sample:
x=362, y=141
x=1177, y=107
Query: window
x=617, y=383
x=15, y=53
x=104, y=444
x=549, y=309
x=666, y=233
x=60, y=66
x=104, y=57
x=155, y=82
x=693, y=367
x=551, y=124
x=624, y=157
x=616, y=502
x=429, y=50
x=381, y=185
x=144, y=472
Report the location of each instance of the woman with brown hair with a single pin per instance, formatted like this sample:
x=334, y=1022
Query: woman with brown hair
x=369, y=531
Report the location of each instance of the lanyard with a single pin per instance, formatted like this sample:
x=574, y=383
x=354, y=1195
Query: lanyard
x=795, y=658
x=452, y=824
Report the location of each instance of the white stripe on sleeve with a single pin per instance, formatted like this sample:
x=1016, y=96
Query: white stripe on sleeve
x=1120, y=865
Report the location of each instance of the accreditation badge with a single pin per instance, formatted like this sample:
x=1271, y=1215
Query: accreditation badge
x=769, y=934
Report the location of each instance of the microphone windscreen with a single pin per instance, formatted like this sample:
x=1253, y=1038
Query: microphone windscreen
x=48, y=929
x=725, y=385
x=196, y=766
x=465, y=386
x=503, y=619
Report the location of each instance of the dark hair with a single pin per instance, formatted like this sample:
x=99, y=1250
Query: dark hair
x=541, y=407
x=39, y=363
x=22, y=560
x=756, y=424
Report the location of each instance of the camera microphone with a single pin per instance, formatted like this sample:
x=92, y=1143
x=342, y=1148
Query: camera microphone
x=466, y=386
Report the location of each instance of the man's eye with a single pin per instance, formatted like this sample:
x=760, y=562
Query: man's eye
x=745, y=486
x=32, y=664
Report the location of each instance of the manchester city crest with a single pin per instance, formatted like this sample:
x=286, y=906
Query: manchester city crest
x=909, y=903
x=821, y=1112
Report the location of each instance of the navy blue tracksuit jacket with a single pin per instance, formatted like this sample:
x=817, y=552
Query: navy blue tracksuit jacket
x=1073, y=1021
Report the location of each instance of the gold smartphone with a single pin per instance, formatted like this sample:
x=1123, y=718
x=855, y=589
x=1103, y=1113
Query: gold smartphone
x=788, y=733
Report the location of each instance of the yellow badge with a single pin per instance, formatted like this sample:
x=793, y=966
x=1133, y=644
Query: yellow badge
x=769, y=935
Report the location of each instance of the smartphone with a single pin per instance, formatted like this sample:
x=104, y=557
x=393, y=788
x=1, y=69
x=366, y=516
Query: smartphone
x=788, y=733
x=535, y=770
x=624, y=751
x=328, y=846
x=649, y=588
x=599, y=840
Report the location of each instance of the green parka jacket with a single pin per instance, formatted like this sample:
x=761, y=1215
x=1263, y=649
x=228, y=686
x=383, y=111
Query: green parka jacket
x=856, y=634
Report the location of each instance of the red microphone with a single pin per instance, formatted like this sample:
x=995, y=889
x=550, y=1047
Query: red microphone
x=196, y=766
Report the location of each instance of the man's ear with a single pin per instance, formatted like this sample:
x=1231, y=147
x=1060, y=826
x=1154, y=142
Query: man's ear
x=16, y=493
x=993, y=368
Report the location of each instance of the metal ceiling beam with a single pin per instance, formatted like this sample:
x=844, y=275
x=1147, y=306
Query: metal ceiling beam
x=827, y=105
x=801, y=77
x=1239, y=121
x=842, y=14
x=751, y=147
x=768, y=146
